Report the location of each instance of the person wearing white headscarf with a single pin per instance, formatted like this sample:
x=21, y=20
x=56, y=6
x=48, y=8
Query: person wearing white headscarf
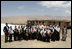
x=10, y=33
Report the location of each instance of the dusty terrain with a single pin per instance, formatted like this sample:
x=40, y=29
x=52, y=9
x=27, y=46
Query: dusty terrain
x=37, y=44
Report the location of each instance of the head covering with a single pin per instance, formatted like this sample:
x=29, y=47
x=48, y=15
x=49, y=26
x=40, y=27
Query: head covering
x=11, y=27
x=21, y=26
x=15, y=26
x=48, y=28
x=58, y=26
x=18, y=26
x=50, y=25
x=44, y=29
x=53, y=27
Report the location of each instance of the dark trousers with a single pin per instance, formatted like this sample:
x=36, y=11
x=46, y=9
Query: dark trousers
x=15, y=36
x=57, y=36
x=6, y=37
x=10, y=37
x=23, y=35
x=20, y=36
x=53, y=37
x=47, y=38
x=35, y=35
x=32, y=36
x=40, y=37
x=44, y=38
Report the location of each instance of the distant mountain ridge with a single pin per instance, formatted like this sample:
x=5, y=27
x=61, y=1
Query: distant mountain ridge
x=23, y=19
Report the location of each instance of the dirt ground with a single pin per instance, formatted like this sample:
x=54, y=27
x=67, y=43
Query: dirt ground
x=38, y=44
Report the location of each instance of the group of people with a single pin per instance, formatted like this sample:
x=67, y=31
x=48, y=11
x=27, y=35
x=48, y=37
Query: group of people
x=31, y=32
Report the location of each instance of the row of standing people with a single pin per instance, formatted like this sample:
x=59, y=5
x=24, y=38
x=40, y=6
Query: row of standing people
x=43, y=33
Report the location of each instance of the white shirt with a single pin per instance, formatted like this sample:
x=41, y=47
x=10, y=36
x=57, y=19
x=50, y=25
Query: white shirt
x=10, y=31
x=42, y=31
x=24, y=28
x=35, y=29
x=44, y=26
x=41, y=26
x=7, y=27
x=48, y=27
x=19, y=29
x=48, y=31
x=53, y=30
x=58, y=29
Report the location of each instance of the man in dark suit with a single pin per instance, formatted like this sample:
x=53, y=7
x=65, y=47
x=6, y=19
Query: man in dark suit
x=6, y=28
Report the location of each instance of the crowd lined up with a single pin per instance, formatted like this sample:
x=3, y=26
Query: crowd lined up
x=26, y=32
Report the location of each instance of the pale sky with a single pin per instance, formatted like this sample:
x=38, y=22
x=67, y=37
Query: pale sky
x=21, y=8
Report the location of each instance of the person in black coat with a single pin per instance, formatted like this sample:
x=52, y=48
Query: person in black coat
x=48, y=34
x=38, y=34
x=15, y=34
x=6, y=28
x=53, y=35
x=22, y=33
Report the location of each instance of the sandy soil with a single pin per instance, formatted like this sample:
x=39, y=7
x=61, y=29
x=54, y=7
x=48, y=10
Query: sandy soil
x=37, y=44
